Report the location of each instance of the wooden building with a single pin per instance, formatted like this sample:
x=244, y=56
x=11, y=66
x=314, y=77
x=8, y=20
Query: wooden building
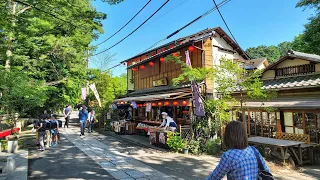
x=150, y=77
x=296, y=109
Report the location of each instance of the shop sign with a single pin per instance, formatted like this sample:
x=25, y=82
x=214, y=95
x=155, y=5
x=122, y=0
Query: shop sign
x=160, y=82
x=148, y=107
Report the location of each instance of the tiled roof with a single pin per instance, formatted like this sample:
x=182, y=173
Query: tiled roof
x=312, y=57
x=294, y=54
x=307, y=81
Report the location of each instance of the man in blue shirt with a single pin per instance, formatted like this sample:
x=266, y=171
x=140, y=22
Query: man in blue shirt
x=83, y=116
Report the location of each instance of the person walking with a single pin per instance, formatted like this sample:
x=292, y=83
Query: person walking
x=83, y=116
x=67, y=112
x=240, y=161
x=91, y=118
x=54, y=130
x=41, y=133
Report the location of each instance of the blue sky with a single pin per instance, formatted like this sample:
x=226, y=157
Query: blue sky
x=252, y=22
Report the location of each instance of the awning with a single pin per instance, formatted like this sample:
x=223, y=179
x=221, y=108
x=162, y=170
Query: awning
x=156, y=97
x=286, y=103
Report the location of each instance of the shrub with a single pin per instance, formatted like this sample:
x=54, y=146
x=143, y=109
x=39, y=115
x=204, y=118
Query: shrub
x=194, y=146
x=213, y=146
x=175, y=142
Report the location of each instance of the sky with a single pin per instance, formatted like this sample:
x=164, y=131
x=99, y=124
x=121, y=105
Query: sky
x=252, y=22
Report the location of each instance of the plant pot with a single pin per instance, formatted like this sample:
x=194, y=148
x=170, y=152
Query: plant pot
x=185, y=150
x=12, y=146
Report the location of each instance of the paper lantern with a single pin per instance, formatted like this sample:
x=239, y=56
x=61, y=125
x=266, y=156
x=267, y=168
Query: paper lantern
x=175, y=103
x=151, y=63
x=144, y=105
x=142, y=67
x=175, y=54
x=191, y=48
x=159, y=103
x=166, y=103
x=172, y=46
x=153, y=53
x=134, y=69
x=184, y=102
x=153, y=104
x=162, y=59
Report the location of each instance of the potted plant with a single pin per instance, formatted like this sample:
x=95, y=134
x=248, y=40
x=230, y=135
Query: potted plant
x=185, y=148
x=12, y=143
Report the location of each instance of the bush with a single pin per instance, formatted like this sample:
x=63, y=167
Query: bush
x=213, y=146
x=175, y=142
x=194, y=146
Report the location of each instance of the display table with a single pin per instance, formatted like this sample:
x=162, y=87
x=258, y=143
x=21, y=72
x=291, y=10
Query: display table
x=158, y=137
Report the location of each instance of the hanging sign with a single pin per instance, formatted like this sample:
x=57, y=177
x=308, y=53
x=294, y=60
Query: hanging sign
x=148, y=107
x=95, y=92
x=83, y=93
x=160, y=82
x=134, y=105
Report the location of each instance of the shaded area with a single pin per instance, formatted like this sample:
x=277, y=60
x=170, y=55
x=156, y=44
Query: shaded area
x=61, y=162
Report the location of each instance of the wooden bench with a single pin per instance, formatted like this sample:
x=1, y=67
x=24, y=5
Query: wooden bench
x=301, y=138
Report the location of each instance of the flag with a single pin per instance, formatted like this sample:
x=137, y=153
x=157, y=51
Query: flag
x=83, y=93
x=188, y=62
x=196, y=94
x=95, y=92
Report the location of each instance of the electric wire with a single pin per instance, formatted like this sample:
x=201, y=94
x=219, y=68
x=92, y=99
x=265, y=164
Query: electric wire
x=132, y=31
x=125, y=24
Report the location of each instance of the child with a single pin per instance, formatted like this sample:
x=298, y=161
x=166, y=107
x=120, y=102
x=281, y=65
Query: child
x=47, y=131
x=41, y=134
x=54, y=131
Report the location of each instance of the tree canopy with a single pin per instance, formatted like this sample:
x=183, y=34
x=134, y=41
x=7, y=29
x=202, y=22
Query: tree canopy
x=307, y=42
x=49, y=41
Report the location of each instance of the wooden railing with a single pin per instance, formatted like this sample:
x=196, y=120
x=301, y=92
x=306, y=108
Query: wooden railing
x=295, y=70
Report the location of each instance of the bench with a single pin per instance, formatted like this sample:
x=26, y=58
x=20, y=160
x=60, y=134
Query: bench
x=7, y=132
x=301, y=138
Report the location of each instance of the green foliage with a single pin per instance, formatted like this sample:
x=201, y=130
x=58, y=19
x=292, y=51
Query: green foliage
x=175, y=142
x=194, y=146
x=284, y=47
x=272, y=53
x=20, y=93
x=213, y=146
x=48, y=49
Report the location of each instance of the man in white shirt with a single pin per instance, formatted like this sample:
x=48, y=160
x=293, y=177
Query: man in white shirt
x=168, y=122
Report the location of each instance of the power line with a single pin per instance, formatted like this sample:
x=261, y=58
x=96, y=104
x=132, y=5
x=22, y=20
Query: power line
x=225, y=23
x=177, y=31
x=193, y=21
x=133, y=30
x=125, y=24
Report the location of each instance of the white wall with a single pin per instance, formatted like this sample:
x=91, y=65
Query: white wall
x=217, y=54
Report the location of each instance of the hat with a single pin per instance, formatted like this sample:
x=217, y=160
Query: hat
x=164, y=113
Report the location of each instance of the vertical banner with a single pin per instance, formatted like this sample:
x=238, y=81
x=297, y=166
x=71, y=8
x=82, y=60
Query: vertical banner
x=83, y=93
x=148, y=107
x=195, y=90
x=94, y=89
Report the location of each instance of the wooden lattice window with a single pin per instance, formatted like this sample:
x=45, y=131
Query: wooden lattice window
x=296, y=70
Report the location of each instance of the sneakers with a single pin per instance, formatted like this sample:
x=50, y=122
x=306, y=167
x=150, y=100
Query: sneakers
x=54, y=144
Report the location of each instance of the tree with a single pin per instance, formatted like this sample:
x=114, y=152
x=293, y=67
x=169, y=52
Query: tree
x=230, y=78
x=20, y=93
x=309, y=41
x=284, y=47
x=50, y=41
x=272, y=53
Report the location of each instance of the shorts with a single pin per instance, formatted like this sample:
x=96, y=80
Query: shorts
x=54, y=132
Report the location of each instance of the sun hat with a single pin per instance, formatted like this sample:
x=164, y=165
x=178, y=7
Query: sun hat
x=164, y=113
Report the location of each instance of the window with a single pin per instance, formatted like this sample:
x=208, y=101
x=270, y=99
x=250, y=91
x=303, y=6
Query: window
x=296, y=70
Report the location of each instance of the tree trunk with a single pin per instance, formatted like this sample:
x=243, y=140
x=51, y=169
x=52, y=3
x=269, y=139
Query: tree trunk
x=12, y=8
x=243, y=116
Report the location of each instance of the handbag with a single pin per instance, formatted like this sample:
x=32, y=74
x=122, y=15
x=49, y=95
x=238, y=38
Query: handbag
x=262, y=173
